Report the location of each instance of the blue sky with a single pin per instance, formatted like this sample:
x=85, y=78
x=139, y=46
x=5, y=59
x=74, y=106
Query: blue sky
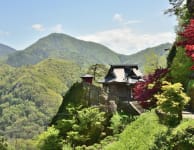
x=125, y=26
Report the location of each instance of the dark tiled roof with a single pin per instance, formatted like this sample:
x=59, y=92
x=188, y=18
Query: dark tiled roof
x=129, y=74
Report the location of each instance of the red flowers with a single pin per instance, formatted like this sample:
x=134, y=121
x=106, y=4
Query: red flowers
x=192, y=68
x=190, y=51
x=188, y=40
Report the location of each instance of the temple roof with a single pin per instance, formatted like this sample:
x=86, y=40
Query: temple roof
x=129, y=74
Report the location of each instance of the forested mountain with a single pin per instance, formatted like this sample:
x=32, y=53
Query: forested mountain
x=31, y=95
x=142, y=56
x=5, y=51
x=65, y=47
x=83, y=53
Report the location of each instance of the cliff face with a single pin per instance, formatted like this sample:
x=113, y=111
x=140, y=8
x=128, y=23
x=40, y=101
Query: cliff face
x=84, y=94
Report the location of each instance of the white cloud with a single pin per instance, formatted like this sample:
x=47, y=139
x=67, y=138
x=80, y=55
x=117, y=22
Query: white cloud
x=122, y=21
x=4, y=33
x=38, y=27
x=57, y=28
x=118, y=17
x=132, y=22
x=126, y=41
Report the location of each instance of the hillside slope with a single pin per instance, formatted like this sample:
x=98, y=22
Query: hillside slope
x=81, y=52
x=30, y=96
x=147, y=133
x=142, y=57
x=65, y=47
x=5, y=51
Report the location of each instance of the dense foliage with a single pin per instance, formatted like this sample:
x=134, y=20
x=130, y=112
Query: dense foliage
x=30, y=96
x=146, y=133
x=180, y=68
x=171, y=102
x=140, y=134
x=144, y=91
x=182, y=64
x=3, y=144
x=80, y=126
x=178, y=138
x=187, y=40
x=153, y=62
x=49, y=140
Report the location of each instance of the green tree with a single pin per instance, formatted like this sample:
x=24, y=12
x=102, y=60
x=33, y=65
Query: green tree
x=119, y=122
x=190, y=91
x=3, y=144
x=82, y=126
x=49, y=140
x=172, y=101
x=179, y=71
x=153, y=62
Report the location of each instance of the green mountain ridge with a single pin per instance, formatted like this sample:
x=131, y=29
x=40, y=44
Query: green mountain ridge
x=81, y=52
x=64, y=47
x=5, y=51
x=30, y=95
x=149, y=57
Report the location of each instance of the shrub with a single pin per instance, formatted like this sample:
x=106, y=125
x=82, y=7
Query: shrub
x=140, y=134
x=171, y=102
x=3, y=144
x=179, y=138
x=190, y=91
x=49, y=140
x=144, y=91
x=119, y=122
x=82, y=126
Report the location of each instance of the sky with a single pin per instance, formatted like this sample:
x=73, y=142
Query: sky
x=125, y=26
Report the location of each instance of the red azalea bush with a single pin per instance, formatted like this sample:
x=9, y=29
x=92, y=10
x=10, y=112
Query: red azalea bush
x=143, y=91
x=188, y=40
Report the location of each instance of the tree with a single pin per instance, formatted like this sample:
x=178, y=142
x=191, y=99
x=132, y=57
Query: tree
x=49, y=140
x=152, y=62
x=144, y=91
x=177, y=7
x=172, y=101
x=119, y=122
x=176, y=4
x=82, y=125
x=3, y=144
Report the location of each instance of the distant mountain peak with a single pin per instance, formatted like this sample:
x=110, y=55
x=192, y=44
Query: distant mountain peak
x=5, y=50
x=63, y=46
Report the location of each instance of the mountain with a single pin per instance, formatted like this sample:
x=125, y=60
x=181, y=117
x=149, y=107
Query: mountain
x=144, y=57
x=30, y=95
x=81, y=52
x=65, y=47
x=5, y=51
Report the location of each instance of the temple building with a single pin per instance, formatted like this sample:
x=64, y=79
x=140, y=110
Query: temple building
x=119, y=81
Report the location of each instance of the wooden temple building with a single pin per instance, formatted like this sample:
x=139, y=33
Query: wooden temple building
x=119, y=81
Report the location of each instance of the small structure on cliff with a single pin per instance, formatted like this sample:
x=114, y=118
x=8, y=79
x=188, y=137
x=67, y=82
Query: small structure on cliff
x=87, y=78
x=119, y=81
